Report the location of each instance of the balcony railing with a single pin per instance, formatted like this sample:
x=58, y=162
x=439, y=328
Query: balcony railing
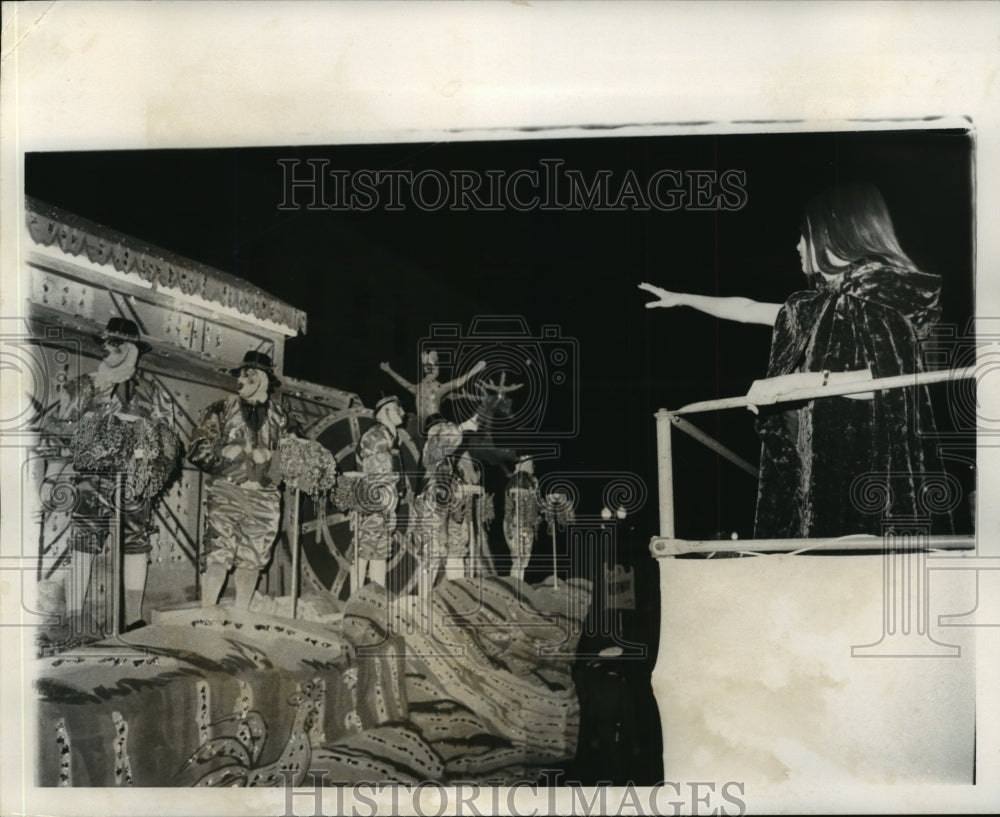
x=666, y=420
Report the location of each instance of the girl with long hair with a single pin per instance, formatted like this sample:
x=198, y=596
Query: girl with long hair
x=842, y=465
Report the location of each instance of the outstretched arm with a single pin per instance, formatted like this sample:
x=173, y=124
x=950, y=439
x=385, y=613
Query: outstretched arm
x=743, y=310
x=458, y=382
x=406, y=384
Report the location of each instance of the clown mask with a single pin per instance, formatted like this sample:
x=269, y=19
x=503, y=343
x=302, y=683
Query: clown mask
x=251, y=385
x=120, y=358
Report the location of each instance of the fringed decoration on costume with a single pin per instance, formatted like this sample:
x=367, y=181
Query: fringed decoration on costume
x=307, y=466
x=345, y=493
x=103, y=442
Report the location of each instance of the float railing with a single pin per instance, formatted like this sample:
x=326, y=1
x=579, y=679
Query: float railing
x=667, y=545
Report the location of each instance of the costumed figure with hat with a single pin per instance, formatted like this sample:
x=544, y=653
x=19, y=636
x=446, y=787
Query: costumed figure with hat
x=440, y=530
x=469, y=521
x=236, y=443
x=379, y=493
x=430, y=391
x=115, y=423
x=521, y=515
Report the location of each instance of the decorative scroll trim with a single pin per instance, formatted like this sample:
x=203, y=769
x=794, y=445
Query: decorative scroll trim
x=203, y=712
x=65, y=754
x=123, y=766
x=317, y=735
x=51, y=226
x=352, y=720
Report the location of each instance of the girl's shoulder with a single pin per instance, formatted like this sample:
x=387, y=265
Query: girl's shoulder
x=910, y=292
x=803, y=300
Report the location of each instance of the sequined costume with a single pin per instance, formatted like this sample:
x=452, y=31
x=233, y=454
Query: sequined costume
x=243, y=501
x=144, y=451
x=379, y=492
x=521, y=515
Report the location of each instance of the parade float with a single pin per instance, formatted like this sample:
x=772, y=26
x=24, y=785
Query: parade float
x=351, y=683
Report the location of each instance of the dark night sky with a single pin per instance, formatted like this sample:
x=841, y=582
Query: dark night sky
x=373, y=283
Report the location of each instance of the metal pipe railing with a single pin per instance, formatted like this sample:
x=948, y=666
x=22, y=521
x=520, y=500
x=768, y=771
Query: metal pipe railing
x=666, y=419
x=667, y=546
x=696, y=433
x=832, y=390
x=665, y=469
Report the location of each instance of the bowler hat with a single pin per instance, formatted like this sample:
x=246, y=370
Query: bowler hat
x=123, y=330
x=260, y=361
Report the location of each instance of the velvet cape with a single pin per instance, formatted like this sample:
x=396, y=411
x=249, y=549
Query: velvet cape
x=837, y=466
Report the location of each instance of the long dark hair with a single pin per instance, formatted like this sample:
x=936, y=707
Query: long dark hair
x=852, y=222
